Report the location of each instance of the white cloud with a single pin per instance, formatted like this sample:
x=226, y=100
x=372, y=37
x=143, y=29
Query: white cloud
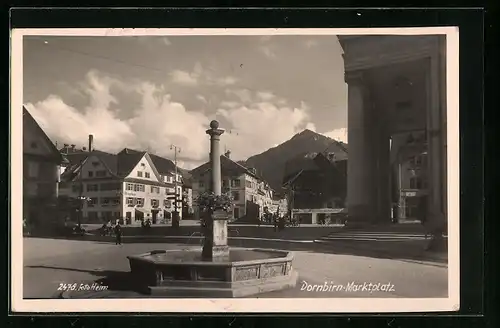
x=244, y=95
x=337, y=134
x=265, y=38
x=230, y=104
x=224, y=81
x=267, y=51
x=160, y=121
x=166, y=41
x=202, y=99
x=184, y=78
x=311, y=43
x=311, y=126
x=199, y=75
x=260, y=127
x=265, y=95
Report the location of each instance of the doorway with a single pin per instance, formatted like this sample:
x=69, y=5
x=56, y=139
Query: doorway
x=154, y=214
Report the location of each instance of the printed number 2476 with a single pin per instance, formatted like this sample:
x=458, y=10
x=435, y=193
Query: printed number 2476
x=67, y=286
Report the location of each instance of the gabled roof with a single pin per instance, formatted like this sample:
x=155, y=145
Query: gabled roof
x=119, y=165
x=163, y=165
x=28, y=120
x=308, y=162
x=227, y=167
x=127, y=161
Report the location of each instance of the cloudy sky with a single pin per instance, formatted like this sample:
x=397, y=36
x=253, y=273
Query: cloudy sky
x=151, y=92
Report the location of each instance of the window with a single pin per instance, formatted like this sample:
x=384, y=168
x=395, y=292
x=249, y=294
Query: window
x=147, y=175
x=90, y=174
x=139, y=187
x=111, y=186
x=92, y=216
x=92, y=187
x=33, y=145
x=403, y=105
x=95, y=163
x=75, y=188
x=236, y=195
x=93, y=201
x=155, y=190
x=105, y=201
x=236, y=183
x=415, y=183
x=139, y=202
x=139, y=174
x=33, y=169
x=155, y=203
x=418, y=160
x=130, y=201
x=167, y=203
x=202, y=184
x=248, y=184
x=100, y=173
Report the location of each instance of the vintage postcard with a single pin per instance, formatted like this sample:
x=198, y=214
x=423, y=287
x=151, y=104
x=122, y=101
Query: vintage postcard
x=235, y=170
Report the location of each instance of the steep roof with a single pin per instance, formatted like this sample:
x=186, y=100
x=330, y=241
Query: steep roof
x=162, y=164
x=120, y=165
x=227, y=167
x=28, y=120
x=309, y=162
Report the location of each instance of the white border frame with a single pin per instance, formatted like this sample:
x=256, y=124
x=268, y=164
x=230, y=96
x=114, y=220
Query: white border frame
x=284, y=305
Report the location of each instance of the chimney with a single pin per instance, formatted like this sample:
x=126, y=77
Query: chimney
x=228, y=154
x=91, y=143
x=65, y=148
x=73, y=148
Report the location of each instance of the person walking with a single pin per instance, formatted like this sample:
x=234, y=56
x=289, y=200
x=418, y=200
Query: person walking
x=118, y=233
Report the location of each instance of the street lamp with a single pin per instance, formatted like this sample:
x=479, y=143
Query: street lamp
x=176, y=150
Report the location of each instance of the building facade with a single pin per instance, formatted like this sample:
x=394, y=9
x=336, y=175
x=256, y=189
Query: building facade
x=410, y=175
x=251, y=194
x=396, y=84
x=126, y=186
x=41, y=166
x=316, y=185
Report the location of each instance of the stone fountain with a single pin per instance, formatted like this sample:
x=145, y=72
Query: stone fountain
x=215, y=270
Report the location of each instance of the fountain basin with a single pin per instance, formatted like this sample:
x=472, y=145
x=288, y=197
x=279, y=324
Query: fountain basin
x=182, y=273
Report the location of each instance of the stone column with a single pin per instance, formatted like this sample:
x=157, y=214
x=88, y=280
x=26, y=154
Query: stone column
x=359, y=175
x=383, y=175
x=435, y=211
x=314, y=218
x=215, y=246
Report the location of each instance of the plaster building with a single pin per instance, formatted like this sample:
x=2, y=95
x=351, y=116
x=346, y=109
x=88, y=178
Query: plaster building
x=396, y=84
x=316, y=185
x=131, y=185
x=409, y=159
x=41, y=166
x=250, y=192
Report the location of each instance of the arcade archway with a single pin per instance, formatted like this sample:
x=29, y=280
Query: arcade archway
x=396, y=127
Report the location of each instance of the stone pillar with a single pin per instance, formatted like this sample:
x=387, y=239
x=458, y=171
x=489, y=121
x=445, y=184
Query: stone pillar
x=215, y=246
x=314, y=218
x=434, y=141
x=359, y=175
x=383, y=175
x=435, y=212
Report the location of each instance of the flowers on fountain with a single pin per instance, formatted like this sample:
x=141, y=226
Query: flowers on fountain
x=210, y=202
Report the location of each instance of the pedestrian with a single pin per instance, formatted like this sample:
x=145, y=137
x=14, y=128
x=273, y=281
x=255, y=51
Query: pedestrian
x=118, y=233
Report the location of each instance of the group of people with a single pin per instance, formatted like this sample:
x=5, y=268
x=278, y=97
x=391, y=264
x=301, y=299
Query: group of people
x=116, y=228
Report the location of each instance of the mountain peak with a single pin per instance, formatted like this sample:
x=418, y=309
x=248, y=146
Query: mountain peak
x=305, y=134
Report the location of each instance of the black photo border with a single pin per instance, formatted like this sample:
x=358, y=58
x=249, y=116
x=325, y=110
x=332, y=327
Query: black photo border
x=472, y=227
